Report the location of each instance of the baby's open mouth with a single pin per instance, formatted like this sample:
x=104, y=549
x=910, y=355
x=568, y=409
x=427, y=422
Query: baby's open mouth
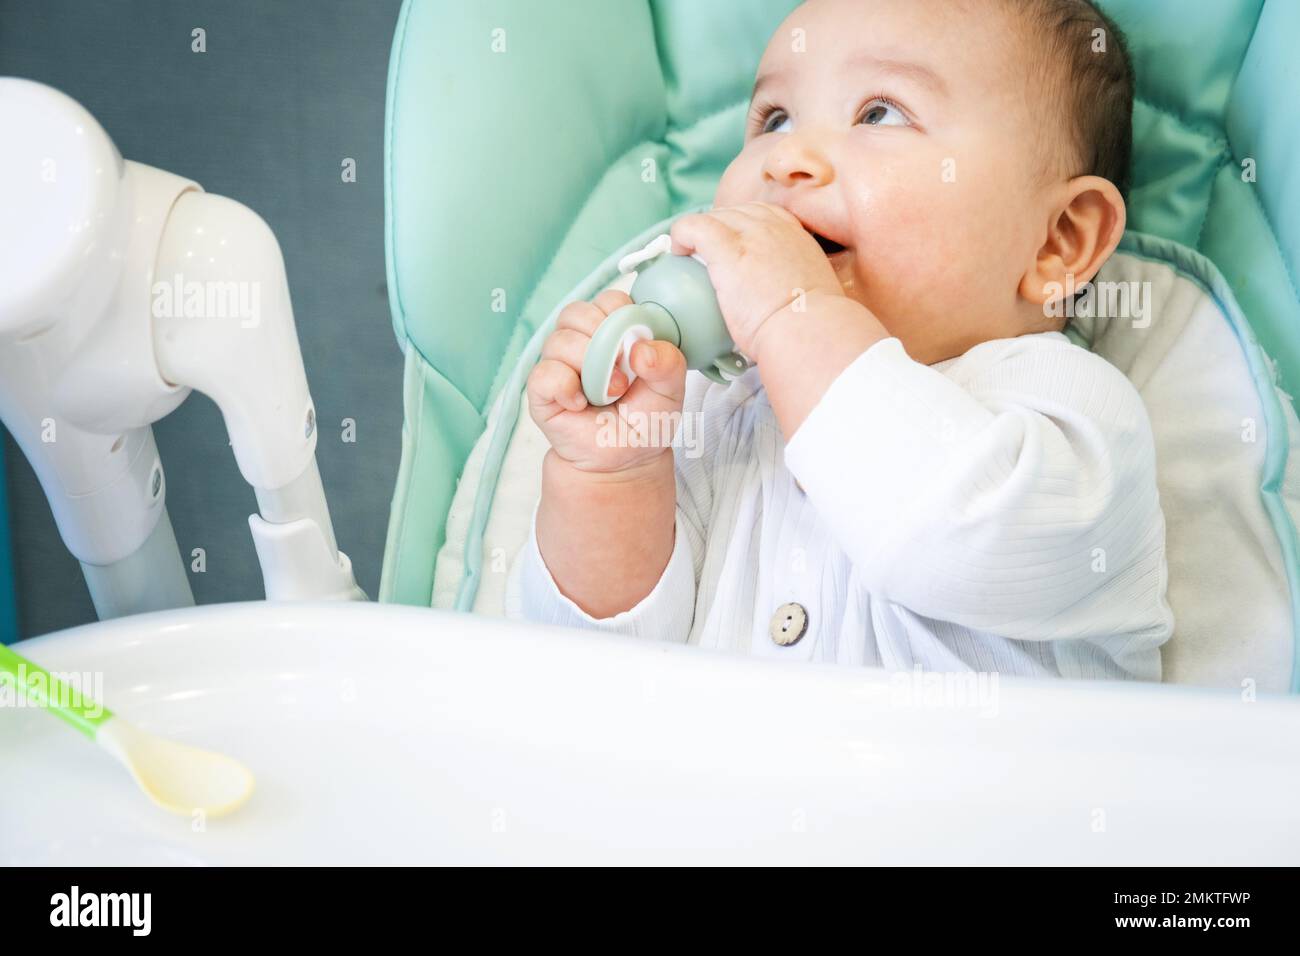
x=829, y=246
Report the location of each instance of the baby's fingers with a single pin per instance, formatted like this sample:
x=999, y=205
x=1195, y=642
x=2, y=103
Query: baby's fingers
x=555, y=382
x=570, y=347
x=585, y=317
x=611, y=300
x=706, y=235
x=567, y=346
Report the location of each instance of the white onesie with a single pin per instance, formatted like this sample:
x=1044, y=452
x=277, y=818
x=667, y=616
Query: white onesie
x=993, y=512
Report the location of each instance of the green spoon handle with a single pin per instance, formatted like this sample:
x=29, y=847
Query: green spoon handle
x=45, y=690
x=613, y=340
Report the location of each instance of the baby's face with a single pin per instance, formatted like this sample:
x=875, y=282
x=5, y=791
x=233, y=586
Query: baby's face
x=905, y=131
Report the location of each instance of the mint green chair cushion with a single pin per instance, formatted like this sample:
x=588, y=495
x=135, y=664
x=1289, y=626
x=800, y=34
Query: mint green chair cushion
x=526, y=140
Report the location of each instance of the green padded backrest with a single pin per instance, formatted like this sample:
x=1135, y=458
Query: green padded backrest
x=528, y=139
x=1218, y=86
x=512, y=172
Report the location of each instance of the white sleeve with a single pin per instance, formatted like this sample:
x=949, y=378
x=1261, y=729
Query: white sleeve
x=1021, y=501
x=665, y=614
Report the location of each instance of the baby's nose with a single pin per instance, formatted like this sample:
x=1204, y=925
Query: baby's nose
x=795, y=162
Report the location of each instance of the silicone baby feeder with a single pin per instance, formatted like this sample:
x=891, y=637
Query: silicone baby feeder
x=672, y=301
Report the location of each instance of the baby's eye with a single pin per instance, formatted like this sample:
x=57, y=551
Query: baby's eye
x=774, y=122
x=882, y=112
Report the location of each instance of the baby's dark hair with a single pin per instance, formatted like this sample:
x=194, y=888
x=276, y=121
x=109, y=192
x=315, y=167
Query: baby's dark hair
x=1082, y=60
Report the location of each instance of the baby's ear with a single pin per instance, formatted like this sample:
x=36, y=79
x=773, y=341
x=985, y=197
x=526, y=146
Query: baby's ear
x=1081, y=235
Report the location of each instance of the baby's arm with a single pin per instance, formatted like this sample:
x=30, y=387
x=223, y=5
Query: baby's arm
x=660, y=607
x=606, y=549
x=1021, y=501
x=606, y=538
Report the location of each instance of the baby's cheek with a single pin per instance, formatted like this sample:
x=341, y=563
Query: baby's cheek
x=911, y=239
x=904, y=287
x=918, y=264
x=739, y=183
x=958, y=225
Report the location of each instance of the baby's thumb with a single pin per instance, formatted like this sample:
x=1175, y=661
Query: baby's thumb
x=660, y=364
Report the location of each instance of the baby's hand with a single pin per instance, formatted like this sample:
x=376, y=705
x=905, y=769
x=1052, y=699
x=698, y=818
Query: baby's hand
x=761, y=260
x=592, y=438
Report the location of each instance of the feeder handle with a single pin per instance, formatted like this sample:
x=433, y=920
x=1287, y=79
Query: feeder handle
x=613, y=341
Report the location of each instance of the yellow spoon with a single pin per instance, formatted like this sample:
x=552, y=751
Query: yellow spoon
x=177, y=777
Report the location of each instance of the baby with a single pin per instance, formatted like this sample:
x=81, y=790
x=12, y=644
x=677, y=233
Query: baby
x=920, y=470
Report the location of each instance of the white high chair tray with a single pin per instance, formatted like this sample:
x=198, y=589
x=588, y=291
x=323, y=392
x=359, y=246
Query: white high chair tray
x=386, y=734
